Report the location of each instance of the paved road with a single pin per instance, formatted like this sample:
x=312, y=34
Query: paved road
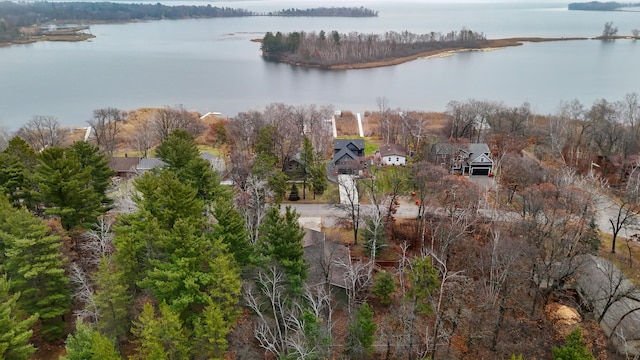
x=606, y=209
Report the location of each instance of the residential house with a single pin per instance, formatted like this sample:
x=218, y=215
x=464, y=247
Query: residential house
x=479, y=160
x=471, y=159
x=293, y=166
x=124, y=167
x=348, y=155
x=326, y=260
x=147, y=164
x=392, y=154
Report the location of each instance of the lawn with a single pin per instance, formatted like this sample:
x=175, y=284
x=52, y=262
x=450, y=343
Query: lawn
x=626, y=258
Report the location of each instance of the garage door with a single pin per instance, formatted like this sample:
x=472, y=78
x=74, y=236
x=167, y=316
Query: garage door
x=480, y=171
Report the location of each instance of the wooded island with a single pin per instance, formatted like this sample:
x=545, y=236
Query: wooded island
x=601, y=6
x=335, y=51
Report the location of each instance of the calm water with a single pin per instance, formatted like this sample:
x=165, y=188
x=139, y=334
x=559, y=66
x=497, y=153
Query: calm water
x=210, y=64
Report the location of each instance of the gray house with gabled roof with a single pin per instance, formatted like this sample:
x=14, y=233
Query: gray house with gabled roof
x=348, y=155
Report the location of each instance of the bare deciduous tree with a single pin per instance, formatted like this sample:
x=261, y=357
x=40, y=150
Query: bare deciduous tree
x=173, y=118
x=106, y=128
x=83, y=293
x=43, y=131
x=280, y=321
x=252, y=199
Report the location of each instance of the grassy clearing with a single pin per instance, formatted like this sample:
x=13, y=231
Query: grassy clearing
x=626, y=258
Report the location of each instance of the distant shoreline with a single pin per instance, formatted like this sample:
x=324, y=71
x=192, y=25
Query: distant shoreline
x=486, y=45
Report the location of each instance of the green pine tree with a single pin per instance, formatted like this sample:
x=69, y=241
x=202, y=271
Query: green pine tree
x=167, y=199
x=160, y=337
x=575, y=348
x=112, y=300
x=362, y=331
x=89, y=344
x=210, y=333
x=182, y=156
x=12, y=177
x=35, y=266
x=91, y=158
x=26, y=194
x=383, y=287
x=15, y=327
x=318, y=176
x=66, y=188
x=136, y=241
x=294, y=196
x=191, y=270
x=281, y=241
x=424, y=278
x=307, y=160
x=230, y=229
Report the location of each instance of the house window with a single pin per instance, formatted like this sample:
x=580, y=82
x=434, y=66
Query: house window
x=397, y=159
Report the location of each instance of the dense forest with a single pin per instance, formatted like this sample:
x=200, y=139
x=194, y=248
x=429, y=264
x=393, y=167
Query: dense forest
x=171, y=264
x=326, y=49
x=324, y=11
x=601, y=6
x=16, y=15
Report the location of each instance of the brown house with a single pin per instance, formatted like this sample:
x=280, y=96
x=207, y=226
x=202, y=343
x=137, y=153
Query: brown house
x=125, y=167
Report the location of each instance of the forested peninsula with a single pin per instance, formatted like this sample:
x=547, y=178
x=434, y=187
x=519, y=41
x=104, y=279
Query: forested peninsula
x=28, y=22
x=601, y=6
x=335, y=51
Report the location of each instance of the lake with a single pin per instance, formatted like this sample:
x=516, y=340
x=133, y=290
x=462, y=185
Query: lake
x=211, y=65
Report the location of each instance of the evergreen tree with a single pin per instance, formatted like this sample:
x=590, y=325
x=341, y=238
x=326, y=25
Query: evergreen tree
x=167, y=199
x=575, y=348
x=362, y=330
x=383, y=287
x=424, y=278
x=182, y=156
x=136, y=241
x=112, y=300
x=66, y=188
x=15, y=330
x=294, y=196
x=318, y=176
x=265, y=168
x=20, y=149
x=230, y=228
x=281, y=241
x=307, y=160
x=191, y=270
x=178, y=150
x=91, y=158
x=88, y=344
x=12, y=177
x=210, y=333
x=36, y=267
x=160, y=337
x=26, y=193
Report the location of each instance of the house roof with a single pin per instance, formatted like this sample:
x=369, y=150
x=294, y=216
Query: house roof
x=476, y=149
x=343, y=143
x=124, y=164
x=150, y=163
x=323, y=258
x=392, y=149
x=342, y=149
x=479, y=153
x=607, y=289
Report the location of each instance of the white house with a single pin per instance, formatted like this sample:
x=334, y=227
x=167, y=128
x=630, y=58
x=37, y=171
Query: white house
x=392, y=154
